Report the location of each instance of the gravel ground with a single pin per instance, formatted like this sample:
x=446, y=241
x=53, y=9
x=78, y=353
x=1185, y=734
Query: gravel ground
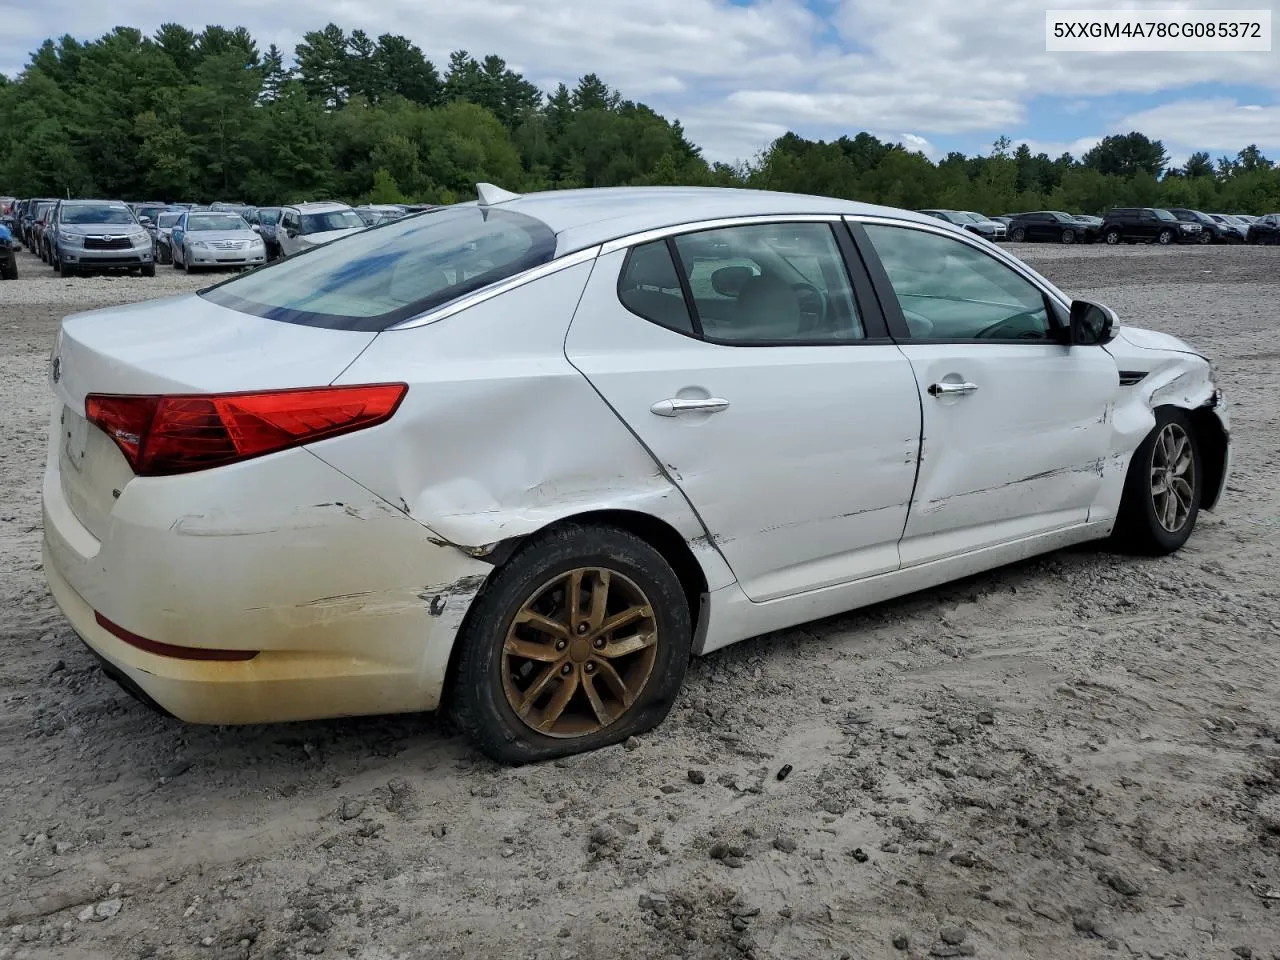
x=1067, y=757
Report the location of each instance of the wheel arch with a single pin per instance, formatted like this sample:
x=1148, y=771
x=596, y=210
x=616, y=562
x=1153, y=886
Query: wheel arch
x=1214, y=443
x=656, y=532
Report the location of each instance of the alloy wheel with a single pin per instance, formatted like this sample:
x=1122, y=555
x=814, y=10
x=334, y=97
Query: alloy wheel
x=578, y=652
x=1172, y=477
x=1068, y=236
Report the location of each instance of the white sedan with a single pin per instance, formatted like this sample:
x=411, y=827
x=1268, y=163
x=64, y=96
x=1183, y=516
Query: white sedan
x=521, y=458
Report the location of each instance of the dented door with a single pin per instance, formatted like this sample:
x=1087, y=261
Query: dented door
x=1022, y=454
x=1016, y=423
x=799, y=460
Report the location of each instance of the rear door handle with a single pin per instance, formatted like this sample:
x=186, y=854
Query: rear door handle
x=675, y=406
x=945, y=389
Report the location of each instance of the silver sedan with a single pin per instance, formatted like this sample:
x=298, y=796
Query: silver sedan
x=204, y=239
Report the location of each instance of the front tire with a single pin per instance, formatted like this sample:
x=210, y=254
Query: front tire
x=579, y=641
x=1112, y=237
x=1206, y=237
x=1068, y=236
x=1164, y=237
x=148, y=269
x=1163, y=489
x=1018, y=234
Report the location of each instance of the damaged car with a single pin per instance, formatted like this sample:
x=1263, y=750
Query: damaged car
x=531, y=453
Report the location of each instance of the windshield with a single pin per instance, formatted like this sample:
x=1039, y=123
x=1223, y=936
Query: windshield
x=331, y=220
x=168, y=219
x=216, y=221
x=268, y=218
x=1164, y=215
x=375, y=279
x=95, y=213
x=973, y=217
x=151, y=212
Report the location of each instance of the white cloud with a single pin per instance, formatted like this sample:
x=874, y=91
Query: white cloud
x=1218, y=125
x=737, y=76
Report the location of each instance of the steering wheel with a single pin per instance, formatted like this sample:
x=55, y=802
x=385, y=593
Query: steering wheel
x=994, y=331
x=813, y=304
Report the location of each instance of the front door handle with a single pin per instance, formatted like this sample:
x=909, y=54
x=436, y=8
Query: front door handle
x=945, y=389
x=675, y=406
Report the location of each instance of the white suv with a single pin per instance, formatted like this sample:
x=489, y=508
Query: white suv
x=307, y=225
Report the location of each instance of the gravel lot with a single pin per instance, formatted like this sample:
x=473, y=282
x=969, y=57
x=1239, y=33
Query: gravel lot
x=1072, y=754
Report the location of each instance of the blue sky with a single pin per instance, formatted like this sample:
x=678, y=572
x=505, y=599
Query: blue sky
x=937, y=74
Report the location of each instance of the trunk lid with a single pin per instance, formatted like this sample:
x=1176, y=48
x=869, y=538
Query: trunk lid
x=180, y=344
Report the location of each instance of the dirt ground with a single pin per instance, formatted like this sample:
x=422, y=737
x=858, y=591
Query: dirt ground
x=1072, y=757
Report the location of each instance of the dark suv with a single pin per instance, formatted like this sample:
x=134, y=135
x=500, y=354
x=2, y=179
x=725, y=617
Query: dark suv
x=1265, y=229
x=1147, y=225
x=1052, y=225
x=1210, y=230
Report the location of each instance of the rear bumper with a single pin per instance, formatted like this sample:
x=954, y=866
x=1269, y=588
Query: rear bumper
x=352, y=606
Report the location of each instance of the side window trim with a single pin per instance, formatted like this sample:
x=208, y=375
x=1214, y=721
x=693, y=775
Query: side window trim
x=892, y=307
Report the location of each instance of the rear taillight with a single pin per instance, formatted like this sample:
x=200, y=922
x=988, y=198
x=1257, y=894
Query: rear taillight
x=164, y=435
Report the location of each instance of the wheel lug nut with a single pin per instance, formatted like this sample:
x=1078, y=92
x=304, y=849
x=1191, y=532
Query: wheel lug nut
x=566, y=669
x=583, y=628
x=561, y=644
x=590, y=668
x=599, y=643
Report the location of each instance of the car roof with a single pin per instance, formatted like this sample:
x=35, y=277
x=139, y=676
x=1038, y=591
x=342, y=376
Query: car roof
x=589, y=216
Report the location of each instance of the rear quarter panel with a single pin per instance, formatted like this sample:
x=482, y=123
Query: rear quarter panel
x=499, y=435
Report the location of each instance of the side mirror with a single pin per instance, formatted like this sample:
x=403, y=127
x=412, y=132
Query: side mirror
x=1092, y=324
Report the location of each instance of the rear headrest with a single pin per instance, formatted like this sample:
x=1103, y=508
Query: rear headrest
x=728, y=281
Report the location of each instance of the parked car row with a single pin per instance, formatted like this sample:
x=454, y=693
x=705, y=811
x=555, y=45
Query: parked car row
x=81, y=236
x=1122, y=225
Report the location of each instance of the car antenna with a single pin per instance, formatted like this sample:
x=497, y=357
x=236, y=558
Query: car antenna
x=490, y=195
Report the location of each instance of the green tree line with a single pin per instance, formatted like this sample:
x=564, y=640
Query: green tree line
x=186, y=115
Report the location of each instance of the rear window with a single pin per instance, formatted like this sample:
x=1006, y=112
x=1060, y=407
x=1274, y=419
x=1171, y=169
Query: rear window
x=377, y=278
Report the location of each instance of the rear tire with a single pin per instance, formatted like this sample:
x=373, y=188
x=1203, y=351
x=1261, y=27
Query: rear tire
x=492, y=685
x=1018, y=234
x=1163, y=488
